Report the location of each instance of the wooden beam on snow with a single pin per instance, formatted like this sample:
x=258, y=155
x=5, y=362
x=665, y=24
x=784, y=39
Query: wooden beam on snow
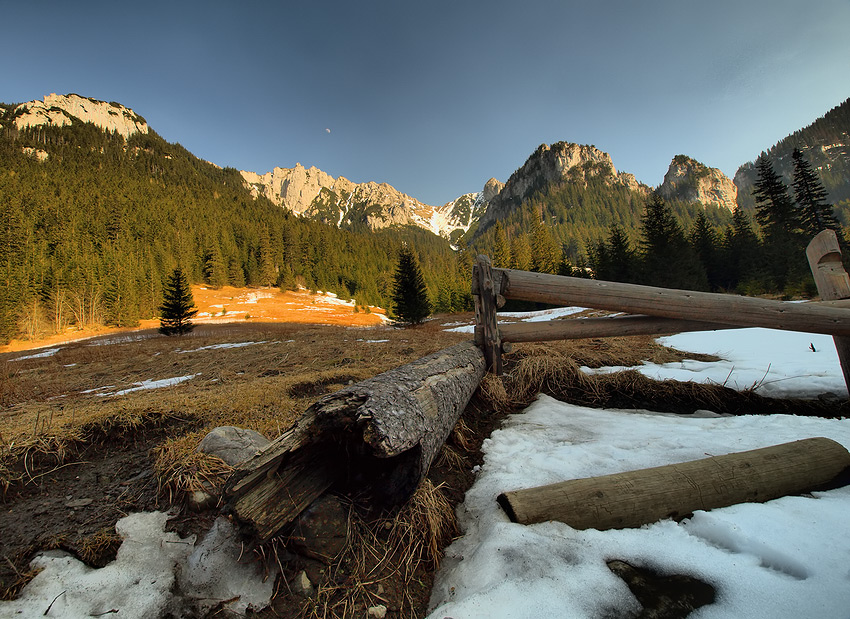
x=635, y=498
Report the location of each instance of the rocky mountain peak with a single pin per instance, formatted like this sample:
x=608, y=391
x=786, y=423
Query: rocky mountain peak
x=312, y=193
x=60, y=110
x=560, y=162
x=492, y=189
x=691, y=181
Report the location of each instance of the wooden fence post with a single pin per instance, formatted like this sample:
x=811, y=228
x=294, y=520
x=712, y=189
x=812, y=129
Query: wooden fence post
x=487, y=295
x=824, y=254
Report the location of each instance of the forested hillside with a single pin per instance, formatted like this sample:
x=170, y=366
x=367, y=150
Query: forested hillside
x=570, y=217
x=91, y=224
x=826, y=145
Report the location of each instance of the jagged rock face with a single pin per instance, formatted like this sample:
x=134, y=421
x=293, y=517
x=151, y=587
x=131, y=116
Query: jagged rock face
x=60, y=110
x=492, y=188
x=691, y=181
x=563, y=161
x=313, y=193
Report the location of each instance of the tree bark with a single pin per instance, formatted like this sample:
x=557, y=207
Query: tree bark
x=377, y=438
x=670, y=303
x=601, y=327
x=635, y=498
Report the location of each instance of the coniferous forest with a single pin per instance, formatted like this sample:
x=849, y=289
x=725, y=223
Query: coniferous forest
x=91, y=232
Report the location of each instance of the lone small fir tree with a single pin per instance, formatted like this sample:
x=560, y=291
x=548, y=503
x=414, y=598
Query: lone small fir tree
x=178, y=306
x=410, y=296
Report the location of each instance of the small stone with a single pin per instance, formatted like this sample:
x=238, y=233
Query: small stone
x=301, y=585
x=231, y=444
x=200, y=501
x=379, y=611
x=79, y=503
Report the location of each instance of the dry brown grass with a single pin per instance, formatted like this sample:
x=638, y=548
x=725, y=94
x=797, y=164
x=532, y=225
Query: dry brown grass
x=554, y=369
x=53, y=405
x=386, y=558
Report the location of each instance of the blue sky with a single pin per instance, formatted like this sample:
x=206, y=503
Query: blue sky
x=437, y=97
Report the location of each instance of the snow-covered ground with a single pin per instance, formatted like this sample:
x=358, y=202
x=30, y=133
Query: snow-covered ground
x=537, y=316
x=154, y=574
x=775, y=363
x=785, y=558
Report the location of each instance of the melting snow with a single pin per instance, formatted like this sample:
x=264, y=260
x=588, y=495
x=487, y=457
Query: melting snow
x=39, y=355
x=786, y=558
x=153, y=573
x=226, y=345
x=153, y=384
x=776, y=363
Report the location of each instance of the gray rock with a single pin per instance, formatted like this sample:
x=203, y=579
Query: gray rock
x=301, y=585
x=231, y=444
x=379, y=611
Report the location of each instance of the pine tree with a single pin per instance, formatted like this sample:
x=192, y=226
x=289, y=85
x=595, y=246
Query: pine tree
x=178, y=306
x=741, y=254
x=544, y=250
x=520, y=252
x=621, y=256
x=784, y=243
x=667, y=258
x=502, y=249
x=410, y=296
x=815, y=212
x=775, y=210
x=705, y=241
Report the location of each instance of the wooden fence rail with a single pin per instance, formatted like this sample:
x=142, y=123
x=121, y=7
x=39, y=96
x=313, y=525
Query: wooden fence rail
x=654, y=310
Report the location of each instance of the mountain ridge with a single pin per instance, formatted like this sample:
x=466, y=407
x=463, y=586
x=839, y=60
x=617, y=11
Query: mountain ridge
x=310, y=192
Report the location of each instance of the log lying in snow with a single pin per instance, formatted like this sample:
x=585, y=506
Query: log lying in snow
x=377, y=437
x=635, y=498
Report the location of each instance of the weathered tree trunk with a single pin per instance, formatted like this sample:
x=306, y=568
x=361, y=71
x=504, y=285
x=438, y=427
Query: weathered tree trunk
x=669, y=303
x=601, y=327
x=824, y=255
x=635, y=498
x=377, y=437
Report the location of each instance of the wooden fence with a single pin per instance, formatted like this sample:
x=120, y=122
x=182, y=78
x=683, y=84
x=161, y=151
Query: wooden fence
x=656, y=310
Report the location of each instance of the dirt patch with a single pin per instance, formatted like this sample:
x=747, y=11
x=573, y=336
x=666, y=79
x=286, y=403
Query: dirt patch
x=74, y=506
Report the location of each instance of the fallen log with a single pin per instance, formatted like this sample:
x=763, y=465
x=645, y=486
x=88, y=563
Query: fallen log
x=375, y=438
x=635, y=498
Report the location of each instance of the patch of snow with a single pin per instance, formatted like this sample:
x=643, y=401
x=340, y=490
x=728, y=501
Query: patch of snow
x=465, y=329
x=153, y=384
x=775, y=363
x=542, y=315
x=39, y=355
x=781, y=559
x=222, y=346
x=154, y=573
x=96, y=389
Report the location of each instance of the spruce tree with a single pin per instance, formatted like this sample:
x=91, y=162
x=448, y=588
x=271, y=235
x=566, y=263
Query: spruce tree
x=705, y=241
x=667, y=258
x=741, y=255
x=178, y=306
x=410, y=296
x=502, y=248
x=784, y=242
x=815, y=212
x=621, y=256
